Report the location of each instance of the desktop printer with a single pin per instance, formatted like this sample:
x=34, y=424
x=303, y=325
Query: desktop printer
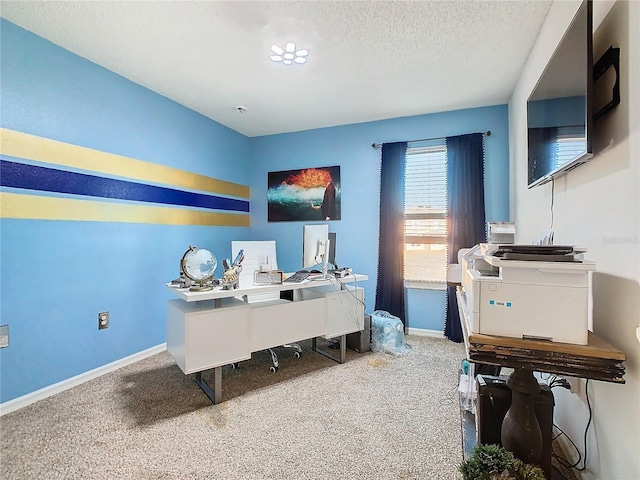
x=527, y=291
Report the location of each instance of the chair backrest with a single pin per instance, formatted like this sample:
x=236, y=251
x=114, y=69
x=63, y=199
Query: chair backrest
x=258, y=255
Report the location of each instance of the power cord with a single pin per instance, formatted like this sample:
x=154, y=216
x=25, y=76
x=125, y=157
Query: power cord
x=553, y=196
x=560, y=382
x=449, y=397
x=584, y=463
x=554, y=381
x=335, y=282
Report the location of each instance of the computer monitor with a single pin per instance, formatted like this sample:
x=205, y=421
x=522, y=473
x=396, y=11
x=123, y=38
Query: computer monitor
x=315, y=245
x=332, y=250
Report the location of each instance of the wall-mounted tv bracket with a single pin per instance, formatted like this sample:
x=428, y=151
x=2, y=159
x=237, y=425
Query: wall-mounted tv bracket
x=610, y=58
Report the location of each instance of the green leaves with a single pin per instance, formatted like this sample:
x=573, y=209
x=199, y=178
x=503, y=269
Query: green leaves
x=493, y=462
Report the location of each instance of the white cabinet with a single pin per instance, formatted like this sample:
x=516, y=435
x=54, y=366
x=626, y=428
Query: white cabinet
x=204, y=335
x=345, y=312
x=344, y=308
x=277, y=323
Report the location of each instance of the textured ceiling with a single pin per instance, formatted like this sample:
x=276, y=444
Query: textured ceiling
x=369, y=60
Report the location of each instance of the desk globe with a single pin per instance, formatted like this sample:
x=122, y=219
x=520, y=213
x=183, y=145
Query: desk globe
x=198, y=265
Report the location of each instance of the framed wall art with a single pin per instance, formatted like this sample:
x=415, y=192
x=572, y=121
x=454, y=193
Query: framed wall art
x=304, y=195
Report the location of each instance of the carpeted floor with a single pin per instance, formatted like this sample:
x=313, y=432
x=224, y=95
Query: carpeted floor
x=376, y=416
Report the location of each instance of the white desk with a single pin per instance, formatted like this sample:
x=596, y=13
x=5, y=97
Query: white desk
x=207, y=330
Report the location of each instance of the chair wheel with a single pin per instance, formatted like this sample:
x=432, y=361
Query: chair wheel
x=297, y=354
x=273, y=369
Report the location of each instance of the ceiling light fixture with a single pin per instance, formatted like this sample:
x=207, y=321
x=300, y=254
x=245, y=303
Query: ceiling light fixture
x=288, y=55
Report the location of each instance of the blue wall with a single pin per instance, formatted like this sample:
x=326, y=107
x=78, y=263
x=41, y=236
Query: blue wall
x=57, y=275
x=349, y=147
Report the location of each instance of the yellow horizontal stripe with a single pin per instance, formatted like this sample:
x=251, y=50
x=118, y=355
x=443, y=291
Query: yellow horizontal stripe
x=17, y=205
x=31, y=147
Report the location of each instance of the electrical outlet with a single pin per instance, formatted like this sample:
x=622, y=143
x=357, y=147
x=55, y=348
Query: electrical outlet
x=103, y=320
x=4, y=336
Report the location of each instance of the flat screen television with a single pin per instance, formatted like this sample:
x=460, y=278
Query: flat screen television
x=560, y=107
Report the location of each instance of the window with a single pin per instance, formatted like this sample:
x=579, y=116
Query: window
x=570, y=143
x=425, y=214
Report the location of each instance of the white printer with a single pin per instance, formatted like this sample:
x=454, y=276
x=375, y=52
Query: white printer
x=527, y=291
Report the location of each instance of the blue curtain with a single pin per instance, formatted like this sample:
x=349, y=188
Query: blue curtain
x=390, y=284
x=466, y=224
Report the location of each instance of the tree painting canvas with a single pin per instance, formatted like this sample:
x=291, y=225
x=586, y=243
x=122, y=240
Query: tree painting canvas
x=304, y=195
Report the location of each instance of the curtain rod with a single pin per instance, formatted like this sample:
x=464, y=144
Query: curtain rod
x=378, y=145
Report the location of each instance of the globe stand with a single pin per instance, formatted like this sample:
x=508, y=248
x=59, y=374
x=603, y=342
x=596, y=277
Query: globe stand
x=200, y=288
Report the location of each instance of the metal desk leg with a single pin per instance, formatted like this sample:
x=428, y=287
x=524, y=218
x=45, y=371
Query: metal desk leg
x=216, y=395
x=343, y=349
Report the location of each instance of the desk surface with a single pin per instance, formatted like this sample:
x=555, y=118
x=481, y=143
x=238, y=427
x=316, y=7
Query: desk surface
x=597, y=360
x=250, y=289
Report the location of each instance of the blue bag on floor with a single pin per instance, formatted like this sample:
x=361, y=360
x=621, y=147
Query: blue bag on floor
x=387, y=334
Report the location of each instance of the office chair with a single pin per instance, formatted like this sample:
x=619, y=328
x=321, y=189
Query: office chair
x=274, y=357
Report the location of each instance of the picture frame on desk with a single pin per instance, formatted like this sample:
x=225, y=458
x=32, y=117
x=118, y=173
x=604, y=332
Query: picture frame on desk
x=268, y=277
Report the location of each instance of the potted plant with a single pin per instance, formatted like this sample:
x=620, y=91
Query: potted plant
x=493, y=462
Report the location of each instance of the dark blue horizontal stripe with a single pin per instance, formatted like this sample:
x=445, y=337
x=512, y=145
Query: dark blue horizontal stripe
x=32, y=177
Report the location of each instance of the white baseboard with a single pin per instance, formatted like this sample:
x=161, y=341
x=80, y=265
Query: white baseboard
x=423, y=332
x=20, y=402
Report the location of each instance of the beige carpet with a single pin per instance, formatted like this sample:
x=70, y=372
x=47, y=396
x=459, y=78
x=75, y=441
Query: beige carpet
x=374, y=417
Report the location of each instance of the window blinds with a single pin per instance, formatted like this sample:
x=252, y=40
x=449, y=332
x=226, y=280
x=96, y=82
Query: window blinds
x=425, y=195
x=425, y=215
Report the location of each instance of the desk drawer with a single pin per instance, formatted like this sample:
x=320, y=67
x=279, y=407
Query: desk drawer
x=345, y=309
x=276, y=324
x=200, y=337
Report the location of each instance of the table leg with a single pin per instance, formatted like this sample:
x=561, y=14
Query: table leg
x=214, y=395
x=343, y=349
x=521, y=432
